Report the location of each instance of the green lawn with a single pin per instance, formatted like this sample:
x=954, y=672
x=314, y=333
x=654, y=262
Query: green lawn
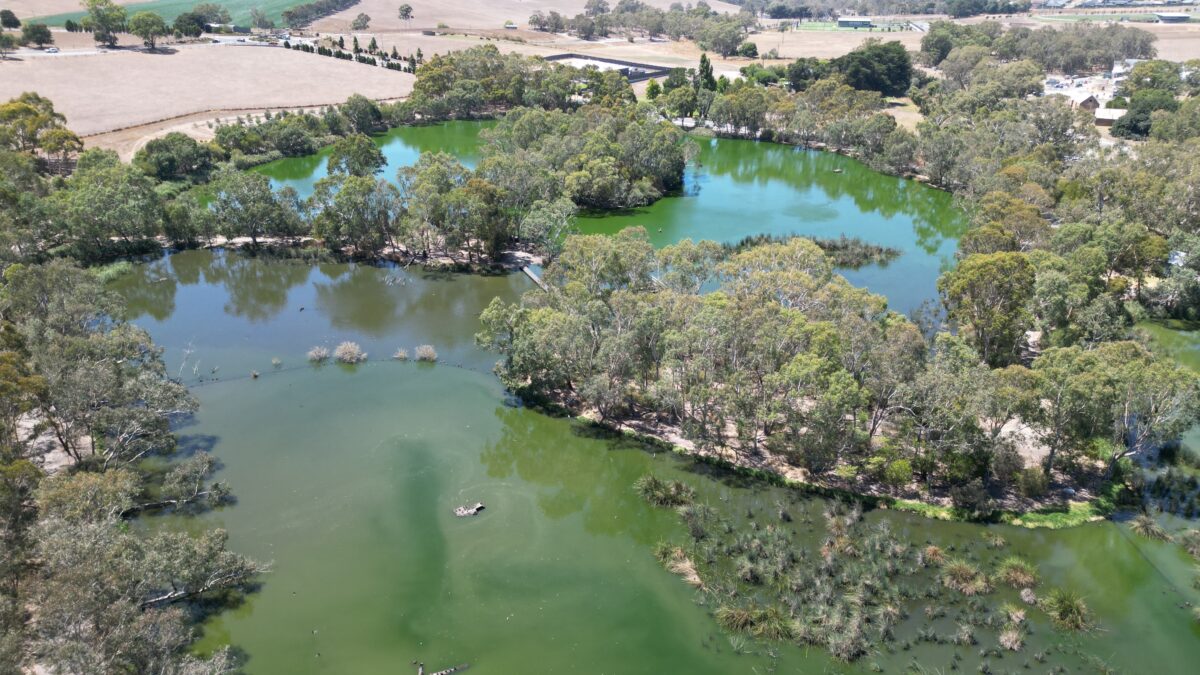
x=169, y=9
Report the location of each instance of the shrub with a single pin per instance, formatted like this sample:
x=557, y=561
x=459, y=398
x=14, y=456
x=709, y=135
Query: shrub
x=401, y=355
x=1017, y=572
x=1032, y=483
x=318, y=354
x=972, y=497
x=349, y=352
x=427, y=353
x=898, y=473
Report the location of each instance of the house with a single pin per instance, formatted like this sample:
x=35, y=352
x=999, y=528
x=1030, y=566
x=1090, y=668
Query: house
x=1121, y=68
x=1080, y=100
x=1105, y=117
x=855, y=22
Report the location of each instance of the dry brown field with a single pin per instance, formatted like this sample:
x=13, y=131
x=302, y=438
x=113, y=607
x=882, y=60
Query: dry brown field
x=474, y=14
x=103, y=92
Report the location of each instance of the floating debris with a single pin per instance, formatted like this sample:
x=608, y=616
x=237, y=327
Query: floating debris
x=464, y=511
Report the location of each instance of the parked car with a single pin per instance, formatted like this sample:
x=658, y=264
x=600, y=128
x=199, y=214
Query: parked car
x=52, y=50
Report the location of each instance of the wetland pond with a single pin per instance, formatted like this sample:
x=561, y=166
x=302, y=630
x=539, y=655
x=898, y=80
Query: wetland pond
x=345, y=477
x=734, y=188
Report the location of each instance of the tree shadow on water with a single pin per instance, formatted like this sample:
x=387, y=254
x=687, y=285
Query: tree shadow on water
x=187, y=445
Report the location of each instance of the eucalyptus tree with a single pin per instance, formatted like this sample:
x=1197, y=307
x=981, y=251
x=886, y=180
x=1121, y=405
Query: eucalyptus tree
x=244, y=205
x=355, y=155
x=357, y=211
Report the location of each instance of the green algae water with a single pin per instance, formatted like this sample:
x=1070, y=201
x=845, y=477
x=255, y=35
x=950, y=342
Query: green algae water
x=736, y=188
x=345, y=478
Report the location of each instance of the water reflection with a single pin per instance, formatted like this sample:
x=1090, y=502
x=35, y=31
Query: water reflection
x=149, y=290
x=258, y=290
x=281, y=308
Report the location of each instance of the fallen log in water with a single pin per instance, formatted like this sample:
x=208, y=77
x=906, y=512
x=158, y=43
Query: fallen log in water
x=448, y=671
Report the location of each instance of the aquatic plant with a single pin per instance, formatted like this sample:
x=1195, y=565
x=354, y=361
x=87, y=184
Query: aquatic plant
x=1012, y=639
x=965, y=635
x=932, y=555
x=1014, y=613
x=676, y=560
x=426, y=353
x=1017, y=572
x=401, y=354
x=697, y=517
x=1066, y=608
x=1190, y=539
x=1028, y=596
x=995, y=540
x=349, y=352
x=1145, y=526
x=318, y=354
x=735, y=619
x=664, y=493
x=962, y=576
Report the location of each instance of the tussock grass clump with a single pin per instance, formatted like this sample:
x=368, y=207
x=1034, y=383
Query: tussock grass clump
x=1015, y=614
x=932, y=555
x=318, y=355
x=962, y=576
x=664, y=493
x=1017, y=572
x=1066, y=608
x=401, y=355
x=1190, y=540
x=1012, y=638
x=995, y=540
x=676, y=560
x=349, y=352
x=1145, y=526
x=769, y=623
x=427, y=353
